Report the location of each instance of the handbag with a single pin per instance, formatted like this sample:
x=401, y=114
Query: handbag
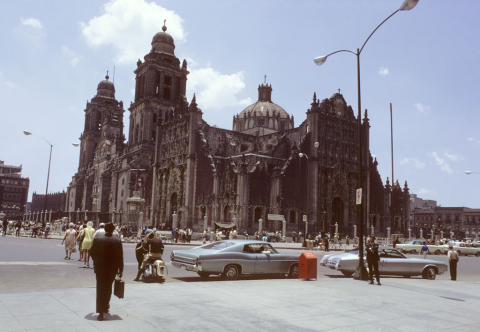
x=119, y=288
x=74, y=249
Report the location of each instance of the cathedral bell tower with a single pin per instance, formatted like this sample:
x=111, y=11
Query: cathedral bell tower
x=160, y=86
x=103, y=122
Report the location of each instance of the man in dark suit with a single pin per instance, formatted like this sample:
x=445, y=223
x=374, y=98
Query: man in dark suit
x=107, y=254
x=372, y=259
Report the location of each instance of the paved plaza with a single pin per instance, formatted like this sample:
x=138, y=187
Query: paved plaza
x=334, y=304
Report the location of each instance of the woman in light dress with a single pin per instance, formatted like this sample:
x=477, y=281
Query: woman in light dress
x=69, y=239
x=87, y=244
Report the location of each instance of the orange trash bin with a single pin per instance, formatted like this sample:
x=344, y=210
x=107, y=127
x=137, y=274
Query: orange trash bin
x=307, y=266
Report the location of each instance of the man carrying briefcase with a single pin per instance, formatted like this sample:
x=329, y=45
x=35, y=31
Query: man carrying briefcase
x=107, y=254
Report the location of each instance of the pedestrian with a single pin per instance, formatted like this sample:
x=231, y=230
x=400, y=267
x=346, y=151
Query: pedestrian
x=87, y=244
x=107, y=254
x=294, y=237
x=69, y=240
x=394, y=243
x=100, y=231
x=4, y=225
x=453, y=258
x=18, y=226
x=372, y=259
x=326, y=243
x=47, y=229
x=347, y=240
x=425, y=250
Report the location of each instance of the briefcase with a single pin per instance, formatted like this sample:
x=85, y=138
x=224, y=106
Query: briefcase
x=119, y=288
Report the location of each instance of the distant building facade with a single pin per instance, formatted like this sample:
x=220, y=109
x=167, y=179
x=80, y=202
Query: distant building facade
x=188, y=170
x=55, y=202
x=13, y=191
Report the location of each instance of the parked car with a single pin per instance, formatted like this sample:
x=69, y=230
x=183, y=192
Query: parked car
x=232, y=258
x=462, y=249
x=414, y=246
x=392, y=262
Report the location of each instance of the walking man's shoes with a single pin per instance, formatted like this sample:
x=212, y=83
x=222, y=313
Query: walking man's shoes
x=371, y=282
x=100, y=316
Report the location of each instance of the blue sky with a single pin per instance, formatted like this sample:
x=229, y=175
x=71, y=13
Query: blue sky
x=426, y=62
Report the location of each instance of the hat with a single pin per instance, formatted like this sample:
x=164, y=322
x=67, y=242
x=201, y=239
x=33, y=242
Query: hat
x=450, y=246
x=148, y=232
x=372, y=237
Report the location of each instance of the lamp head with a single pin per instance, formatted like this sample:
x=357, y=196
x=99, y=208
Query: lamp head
x=408, y=4
x=316, y=144
x=468, y=172
x=75, y=144
x=27, y=133
x=320, y=60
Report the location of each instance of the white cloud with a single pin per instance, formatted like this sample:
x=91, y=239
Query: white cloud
x=424, y=109
x=453, y=157
x=471, y=139
x=423, y=191
x=216, y=90
x=440, y=162
x=10, y=84
x=33, y=22
x=68, y=53
x=129, y=26
x=384, y=71
x=418, y=164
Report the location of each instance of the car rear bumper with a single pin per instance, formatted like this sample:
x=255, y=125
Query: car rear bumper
x=186, y=266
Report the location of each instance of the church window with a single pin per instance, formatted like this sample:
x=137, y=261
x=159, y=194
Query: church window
x=154, y=134
x=282, y=125
x=157, y=85
x=123, y=181
x=167, y=80
x=243, y=147
x=261, y=122
x=166, y=93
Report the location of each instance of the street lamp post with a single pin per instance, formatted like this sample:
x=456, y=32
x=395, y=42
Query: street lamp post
x=27, y=133
x=300, y=155
x=407, y=5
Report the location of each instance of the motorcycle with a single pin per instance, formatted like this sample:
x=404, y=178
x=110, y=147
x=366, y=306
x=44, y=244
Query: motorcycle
x=154, y=270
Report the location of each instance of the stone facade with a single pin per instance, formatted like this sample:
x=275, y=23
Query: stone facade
x=55, y=202
x=265, y=165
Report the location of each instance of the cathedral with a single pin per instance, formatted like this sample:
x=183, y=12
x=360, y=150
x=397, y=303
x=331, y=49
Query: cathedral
x=264, y=173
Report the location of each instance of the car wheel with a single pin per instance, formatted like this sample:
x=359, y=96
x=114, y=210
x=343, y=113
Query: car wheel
x=412, y=251
x=429, y=273
x=437, y=252
x=231, y=272
x=477, y=254
x=203, y=274
x=293, y=273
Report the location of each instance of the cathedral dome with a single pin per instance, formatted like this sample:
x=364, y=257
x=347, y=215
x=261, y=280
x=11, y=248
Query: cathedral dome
x=262, y=108
x=106, y=88
x=263, y=117
x=162, y=42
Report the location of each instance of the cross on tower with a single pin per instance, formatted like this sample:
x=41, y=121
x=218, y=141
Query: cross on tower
x=164, y=21
x=338, y=90
x=265, y=79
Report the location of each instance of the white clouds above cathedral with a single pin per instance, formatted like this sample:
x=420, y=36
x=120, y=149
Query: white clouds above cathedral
x=128, y=26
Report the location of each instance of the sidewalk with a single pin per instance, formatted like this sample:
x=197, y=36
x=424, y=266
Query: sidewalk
x=276, y=245
x=336, y=304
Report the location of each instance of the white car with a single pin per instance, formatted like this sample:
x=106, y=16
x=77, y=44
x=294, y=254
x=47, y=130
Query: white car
x=462, y=249
x=414, y=246
x=392, y=262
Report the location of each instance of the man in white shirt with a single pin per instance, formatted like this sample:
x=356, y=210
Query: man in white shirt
x=100, y=231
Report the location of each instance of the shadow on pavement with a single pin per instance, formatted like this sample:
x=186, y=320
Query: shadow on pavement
x=107, y=316
x=219, y=278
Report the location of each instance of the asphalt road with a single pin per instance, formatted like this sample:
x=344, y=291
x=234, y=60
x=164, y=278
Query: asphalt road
x=28, y=264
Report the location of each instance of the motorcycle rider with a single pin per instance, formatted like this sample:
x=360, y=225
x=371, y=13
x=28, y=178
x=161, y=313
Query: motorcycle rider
x=155, y=247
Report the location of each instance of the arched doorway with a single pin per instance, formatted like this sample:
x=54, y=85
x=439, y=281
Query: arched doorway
x=293, y=217
x=337, y=215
